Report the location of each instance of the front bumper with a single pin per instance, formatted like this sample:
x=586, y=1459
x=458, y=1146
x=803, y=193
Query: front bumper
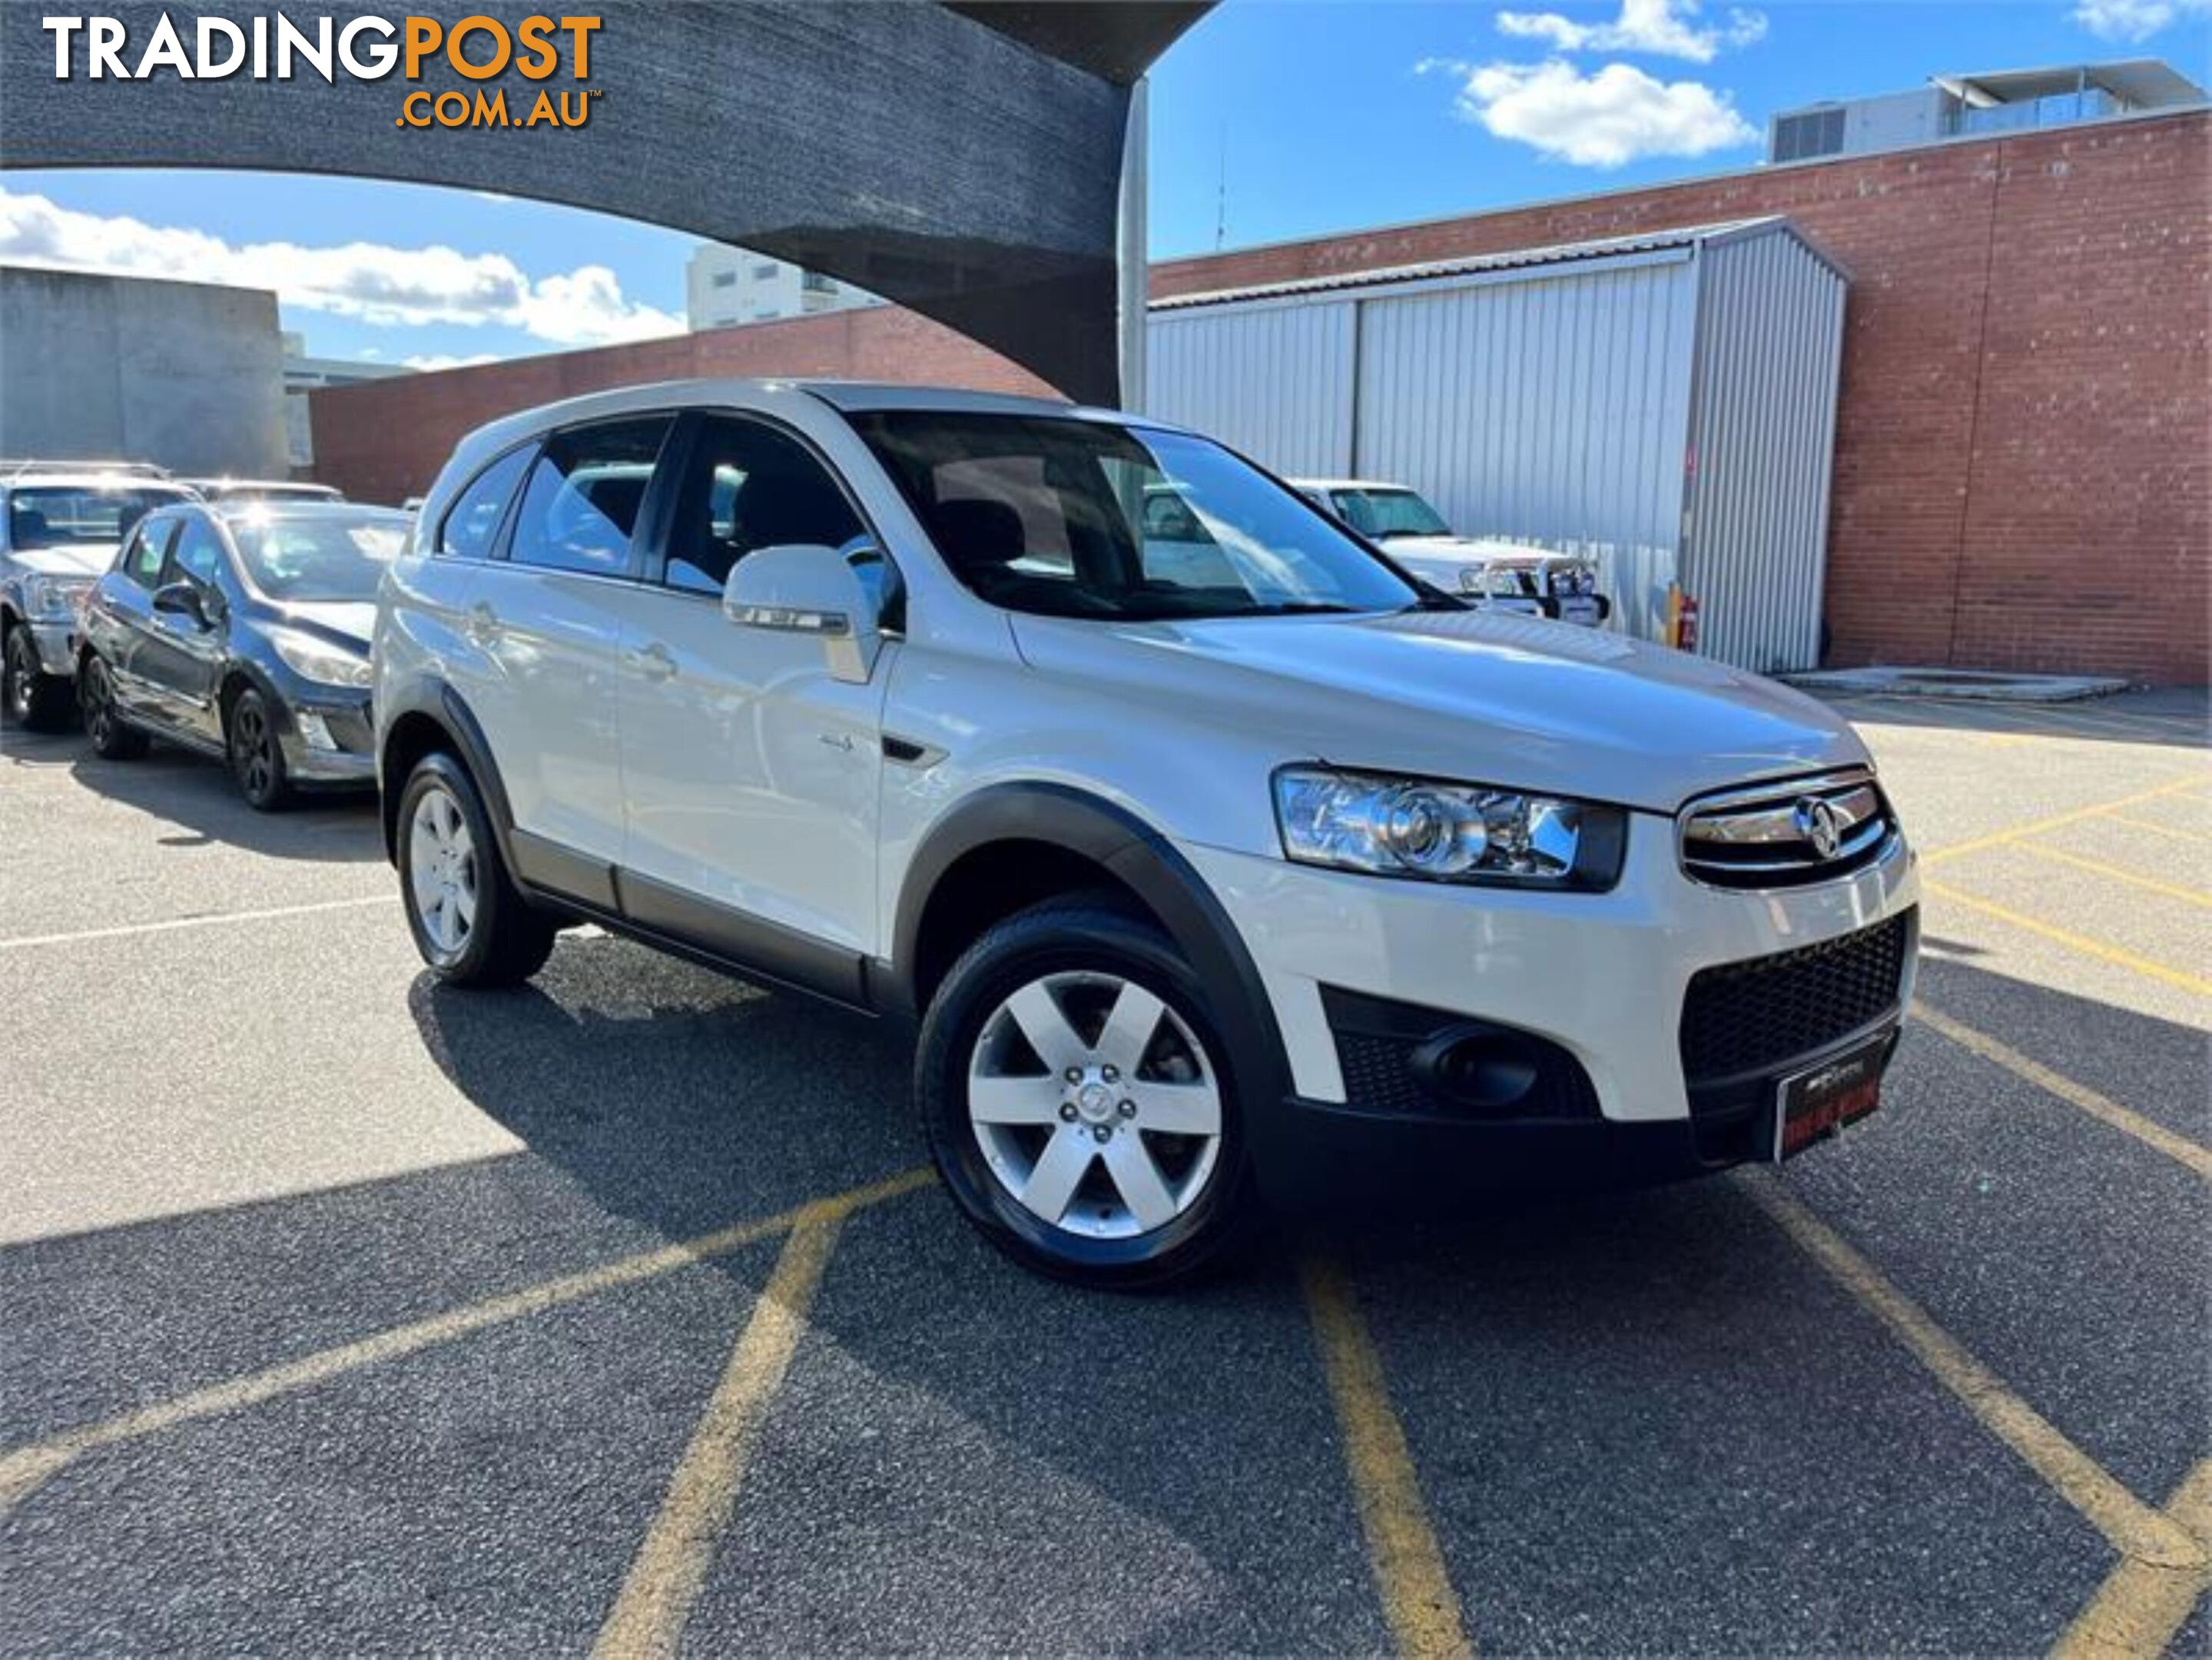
x=57, y=642
x=347, y=723
x=1601, y=978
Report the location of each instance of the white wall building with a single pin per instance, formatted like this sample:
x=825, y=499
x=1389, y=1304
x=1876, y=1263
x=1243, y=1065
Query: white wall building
x=725, y=286
x=1963, y=106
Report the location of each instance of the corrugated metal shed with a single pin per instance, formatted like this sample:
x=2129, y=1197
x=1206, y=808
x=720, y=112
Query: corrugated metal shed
x=1663, y=402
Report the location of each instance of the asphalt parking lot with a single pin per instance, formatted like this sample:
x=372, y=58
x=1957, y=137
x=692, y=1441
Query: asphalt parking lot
x=340, y=1312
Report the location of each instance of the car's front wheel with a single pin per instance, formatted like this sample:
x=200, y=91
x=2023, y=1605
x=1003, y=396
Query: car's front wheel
x=34, y=700
x=257, y=758
x=1078, y=1102
x=471, y=924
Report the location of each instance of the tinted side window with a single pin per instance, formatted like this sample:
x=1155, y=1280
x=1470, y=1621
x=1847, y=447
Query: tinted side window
x=198, y=554
x=142, y=560
x=749, y=486
x=473, y=521
x=585, y=488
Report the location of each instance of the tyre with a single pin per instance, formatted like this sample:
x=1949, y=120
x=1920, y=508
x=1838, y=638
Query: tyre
x=257, y=758
x=112, y=738
x=32, y=699
x=1077, y=1100
x=471, y=924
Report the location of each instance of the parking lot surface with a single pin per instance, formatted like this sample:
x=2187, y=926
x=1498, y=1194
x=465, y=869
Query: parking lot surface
x=342, y=1312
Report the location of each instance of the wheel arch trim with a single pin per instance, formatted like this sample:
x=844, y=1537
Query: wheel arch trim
x=1142, y=858
x=445, y=708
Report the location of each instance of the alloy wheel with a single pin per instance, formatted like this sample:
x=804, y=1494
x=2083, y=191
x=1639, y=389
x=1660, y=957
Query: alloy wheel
x=252, y=748
x=441, y=870
x=1095, y=1105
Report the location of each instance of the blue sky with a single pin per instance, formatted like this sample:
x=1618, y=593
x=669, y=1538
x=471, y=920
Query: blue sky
x=1321, y=116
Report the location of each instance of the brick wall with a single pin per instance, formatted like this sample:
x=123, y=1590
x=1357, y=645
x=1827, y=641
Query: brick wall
x=2024, y=449
x=383, y=441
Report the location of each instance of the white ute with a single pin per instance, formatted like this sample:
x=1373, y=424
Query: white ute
x=1210, y=864
x=1488, y=572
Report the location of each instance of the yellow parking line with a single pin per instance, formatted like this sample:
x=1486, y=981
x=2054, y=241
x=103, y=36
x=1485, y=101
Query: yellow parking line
x=2036, y=827
x=2142, y=1606
x=1402, y=1551
x=2135, y=1528
x=2099, y=867
x=671, y=1567
x=2152, y=824
x=27, y=1469
x=2128, y=1121
x=2100, y=949
x=26, y=942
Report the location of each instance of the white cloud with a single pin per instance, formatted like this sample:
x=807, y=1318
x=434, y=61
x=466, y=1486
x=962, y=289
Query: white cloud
x=376, y=283
x=2134, y=20
x=1617, y=115
x=430, y=363
x=1662, y=28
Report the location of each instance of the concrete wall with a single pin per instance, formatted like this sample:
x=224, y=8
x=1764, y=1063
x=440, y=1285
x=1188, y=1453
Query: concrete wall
x=184, y=374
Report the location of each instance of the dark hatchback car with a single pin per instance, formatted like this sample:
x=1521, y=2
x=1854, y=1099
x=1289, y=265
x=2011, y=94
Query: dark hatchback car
x=242, y=632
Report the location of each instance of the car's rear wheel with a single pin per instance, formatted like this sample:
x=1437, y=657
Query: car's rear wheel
x=33, y=700
x=470, y=923
x=257, y=758
x=1078, y=1102
x=112, y=738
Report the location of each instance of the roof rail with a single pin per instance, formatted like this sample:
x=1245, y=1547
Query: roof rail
x=14, y=467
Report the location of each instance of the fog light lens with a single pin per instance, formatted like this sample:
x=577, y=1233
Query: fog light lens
x=316, y=731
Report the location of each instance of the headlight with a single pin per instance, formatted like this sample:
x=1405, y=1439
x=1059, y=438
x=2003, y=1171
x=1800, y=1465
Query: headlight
x=1412, y=827
x=328, y=666
x=52, y=597
x=1492, y=582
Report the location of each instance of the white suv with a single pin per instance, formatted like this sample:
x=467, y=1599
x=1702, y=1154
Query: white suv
x=1257, y=871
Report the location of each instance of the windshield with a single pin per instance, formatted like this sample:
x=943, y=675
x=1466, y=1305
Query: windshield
x=1067, y=518
x=56, y=515
x=333, y=555
x=1385, y=514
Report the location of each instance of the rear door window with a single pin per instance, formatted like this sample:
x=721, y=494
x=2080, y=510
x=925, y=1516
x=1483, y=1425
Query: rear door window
x=142, y=560
x=579, y=509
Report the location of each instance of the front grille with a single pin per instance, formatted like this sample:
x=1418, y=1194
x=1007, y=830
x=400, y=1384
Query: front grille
x=1755, y=1016
x=1788, y=833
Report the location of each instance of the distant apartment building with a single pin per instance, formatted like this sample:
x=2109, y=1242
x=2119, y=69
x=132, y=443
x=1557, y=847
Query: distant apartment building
x=725, y=286
x=1962, y=106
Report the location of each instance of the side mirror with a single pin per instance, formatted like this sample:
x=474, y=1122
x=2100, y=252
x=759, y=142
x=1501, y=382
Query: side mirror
x=182, y=600
x=805, y=587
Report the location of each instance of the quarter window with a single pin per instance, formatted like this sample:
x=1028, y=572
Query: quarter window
x=580, y=506
x=472, y=522
x=749, y=486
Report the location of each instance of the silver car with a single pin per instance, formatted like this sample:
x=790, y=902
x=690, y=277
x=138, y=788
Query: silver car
x=59, y=529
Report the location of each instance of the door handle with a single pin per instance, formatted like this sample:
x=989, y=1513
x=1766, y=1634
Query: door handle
x=655, y=661
x=483, y=624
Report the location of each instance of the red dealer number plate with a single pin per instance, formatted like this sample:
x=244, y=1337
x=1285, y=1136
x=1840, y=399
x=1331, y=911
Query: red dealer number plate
x=1813, y=1104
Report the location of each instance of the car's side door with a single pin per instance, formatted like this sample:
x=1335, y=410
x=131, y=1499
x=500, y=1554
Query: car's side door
x=751, y=773
x=180, y=654
x=545, y=627
x=119, y=615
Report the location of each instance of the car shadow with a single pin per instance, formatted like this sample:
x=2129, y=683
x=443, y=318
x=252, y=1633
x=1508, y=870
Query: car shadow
x=197, y=797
